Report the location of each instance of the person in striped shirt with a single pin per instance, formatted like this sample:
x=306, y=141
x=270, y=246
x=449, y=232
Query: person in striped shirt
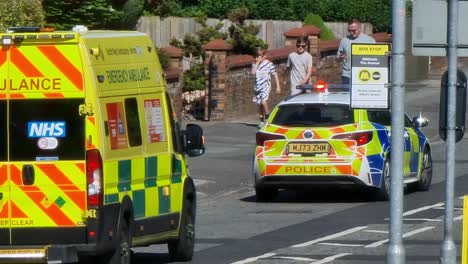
x=263, y=70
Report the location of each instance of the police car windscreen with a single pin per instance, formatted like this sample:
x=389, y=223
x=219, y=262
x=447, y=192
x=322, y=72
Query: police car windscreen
x=313, y=115
x=42, y=130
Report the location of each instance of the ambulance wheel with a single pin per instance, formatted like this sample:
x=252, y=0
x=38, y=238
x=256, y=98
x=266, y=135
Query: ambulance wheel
x=181, y=250
x=123, y=251
x=384, y=191
x=426, y=172
x=265, y=194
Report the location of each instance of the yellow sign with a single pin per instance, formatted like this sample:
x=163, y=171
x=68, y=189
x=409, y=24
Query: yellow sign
x=364, y=75
x=370, y=49
x=465, y=231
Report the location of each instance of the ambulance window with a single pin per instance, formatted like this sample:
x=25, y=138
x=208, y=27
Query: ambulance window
x=3, y=131
x=133, y=122
x=43, y=130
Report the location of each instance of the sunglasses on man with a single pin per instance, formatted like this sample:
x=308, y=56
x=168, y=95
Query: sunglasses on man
x=301, y=45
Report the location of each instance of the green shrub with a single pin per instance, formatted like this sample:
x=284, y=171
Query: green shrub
x=316, y=20
x=163, y=58
x=14, y=13
x=242, y=36
x=194, y=78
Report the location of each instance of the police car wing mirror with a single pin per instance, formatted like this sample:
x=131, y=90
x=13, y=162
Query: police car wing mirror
x=420, y=121
x=194, y=143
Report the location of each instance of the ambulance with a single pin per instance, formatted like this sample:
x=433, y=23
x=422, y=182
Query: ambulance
x=92, y=157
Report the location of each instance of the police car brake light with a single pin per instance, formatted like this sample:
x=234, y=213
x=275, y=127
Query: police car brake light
x=261, y=137
x=361, y=138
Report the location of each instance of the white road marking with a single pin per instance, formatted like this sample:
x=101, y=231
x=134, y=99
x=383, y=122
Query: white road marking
x=249, y=260
x=422, y=219
x=376, y=231
x=458, y=218
x=424, y=208
x=331, y=258
x=293, y=258
x=414, y=232
x=346, y=232
x=419, y=219
x=340, y=244
x=199, y=182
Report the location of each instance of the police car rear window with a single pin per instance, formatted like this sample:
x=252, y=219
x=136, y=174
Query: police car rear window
x=313, y=115
x=42, y=130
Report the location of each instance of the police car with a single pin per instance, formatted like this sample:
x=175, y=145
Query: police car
x=315, y=138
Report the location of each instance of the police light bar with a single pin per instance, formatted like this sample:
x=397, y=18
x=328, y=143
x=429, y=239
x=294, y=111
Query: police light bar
x=319, y=86
x=322, y=86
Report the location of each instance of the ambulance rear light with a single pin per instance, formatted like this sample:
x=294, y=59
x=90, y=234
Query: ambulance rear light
x=94, y=177
x=262, y=137
x=361, y=138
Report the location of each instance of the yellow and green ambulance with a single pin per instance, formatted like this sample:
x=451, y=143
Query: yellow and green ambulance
x=92, y=159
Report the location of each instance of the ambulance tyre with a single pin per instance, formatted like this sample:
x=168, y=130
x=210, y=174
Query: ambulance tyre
x=181, y=250
x=123, y=252
x=384, y=192
x=265, y=194
x=426, y=172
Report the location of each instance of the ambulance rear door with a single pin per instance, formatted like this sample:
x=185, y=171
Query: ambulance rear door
x=45, y=183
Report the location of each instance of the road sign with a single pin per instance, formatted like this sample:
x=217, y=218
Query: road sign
x=370, y=75
x=429, y=28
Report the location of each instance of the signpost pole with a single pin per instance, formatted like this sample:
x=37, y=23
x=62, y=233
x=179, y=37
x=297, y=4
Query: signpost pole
x=448, y=248
x=395, y=250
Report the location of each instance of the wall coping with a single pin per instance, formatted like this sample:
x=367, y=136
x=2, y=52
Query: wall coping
x=233, y=61
x=307, y=30
x=329, y=45
x=173, y=52
x=172, y=73
x=217, y=44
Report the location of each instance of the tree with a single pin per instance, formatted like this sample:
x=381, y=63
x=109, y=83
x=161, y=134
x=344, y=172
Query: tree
x=95, y=14
x=20, y=13
x=192, y=44
x=316, y=20
x=242, y=36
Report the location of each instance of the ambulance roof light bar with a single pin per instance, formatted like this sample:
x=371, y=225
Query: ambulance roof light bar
x=6, y=40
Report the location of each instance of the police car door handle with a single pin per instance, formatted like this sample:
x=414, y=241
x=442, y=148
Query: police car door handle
x=28, y=174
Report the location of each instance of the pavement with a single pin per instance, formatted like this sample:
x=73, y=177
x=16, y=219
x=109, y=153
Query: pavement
x=253, y=120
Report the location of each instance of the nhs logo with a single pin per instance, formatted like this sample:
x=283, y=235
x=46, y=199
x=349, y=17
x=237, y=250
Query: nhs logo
x=46, y=129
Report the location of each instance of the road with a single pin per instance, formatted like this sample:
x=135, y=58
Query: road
x=317, y=225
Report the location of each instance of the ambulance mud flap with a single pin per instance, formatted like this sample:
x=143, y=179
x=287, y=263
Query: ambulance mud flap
x=104, y=227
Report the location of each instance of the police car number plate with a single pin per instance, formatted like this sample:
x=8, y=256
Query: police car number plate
x=308, y=148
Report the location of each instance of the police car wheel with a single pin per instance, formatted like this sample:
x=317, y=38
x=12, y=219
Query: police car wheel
x=182, y=249
x=384, y=190
x=264, y=194
x=426, y=172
